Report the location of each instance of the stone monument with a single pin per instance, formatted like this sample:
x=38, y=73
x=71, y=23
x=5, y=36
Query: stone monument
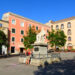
x=40, y=46
x=4, y=50
x=40, y=56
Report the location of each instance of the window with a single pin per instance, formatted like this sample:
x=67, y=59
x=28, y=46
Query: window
x=0, y=25
x=44, y=35
x=36, y=27
x=47, y=30
x=69, y=25
x=57, y=27
x=69, y=31
x=13, y=21
x=69, y=38
x=62, y=26
x=22, y=24
x=13, y=30
x=21, y=39
x=22, y=32
x=36, y=49
x=51, y=26
x=13, y=39
x=29, y=25
x=12, y=49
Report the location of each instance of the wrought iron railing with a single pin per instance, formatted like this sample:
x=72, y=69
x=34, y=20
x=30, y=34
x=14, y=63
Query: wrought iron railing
x=40, y=56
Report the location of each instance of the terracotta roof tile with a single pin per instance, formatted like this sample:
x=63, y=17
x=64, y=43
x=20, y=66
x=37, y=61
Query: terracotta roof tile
x=63, y=20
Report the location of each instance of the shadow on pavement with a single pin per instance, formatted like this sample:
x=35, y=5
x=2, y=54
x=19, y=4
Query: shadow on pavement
x=66, y=67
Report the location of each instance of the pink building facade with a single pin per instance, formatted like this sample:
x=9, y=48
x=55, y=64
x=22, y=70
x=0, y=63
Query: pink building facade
x=18, y=27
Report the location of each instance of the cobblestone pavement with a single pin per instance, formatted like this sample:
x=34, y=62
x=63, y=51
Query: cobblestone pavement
x=11, y=66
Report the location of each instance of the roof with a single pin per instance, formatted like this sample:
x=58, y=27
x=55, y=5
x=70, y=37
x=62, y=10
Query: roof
x=63, y=20
x=27, y=19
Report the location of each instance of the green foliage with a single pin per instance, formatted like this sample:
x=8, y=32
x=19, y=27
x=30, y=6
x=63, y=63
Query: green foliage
x=3, y=39
x=73, y=49
x=60, y=38
x=51, y=38
x=30, y=38
x=57, y=38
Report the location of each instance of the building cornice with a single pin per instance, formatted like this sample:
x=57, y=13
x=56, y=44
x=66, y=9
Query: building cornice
x=4, y=21
x=64, y=20
x=26, y=19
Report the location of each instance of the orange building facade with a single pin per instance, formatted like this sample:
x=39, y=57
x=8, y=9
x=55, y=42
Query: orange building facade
x=17, y=28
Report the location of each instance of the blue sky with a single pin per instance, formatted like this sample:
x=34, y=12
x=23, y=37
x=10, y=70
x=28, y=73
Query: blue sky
x=39, y=10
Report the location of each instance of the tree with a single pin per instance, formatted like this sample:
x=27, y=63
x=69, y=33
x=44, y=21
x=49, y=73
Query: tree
x=60, y=38
x=30, y=38
x=57, y=38
x=3, y=38
x=51, y=38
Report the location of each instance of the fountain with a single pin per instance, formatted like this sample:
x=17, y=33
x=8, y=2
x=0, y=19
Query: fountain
x=40, y=46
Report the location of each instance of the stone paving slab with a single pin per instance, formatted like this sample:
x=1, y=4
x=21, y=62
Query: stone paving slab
x=11, y=66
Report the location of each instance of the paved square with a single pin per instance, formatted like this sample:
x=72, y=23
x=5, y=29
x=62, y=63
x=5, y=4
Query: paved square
x=11, y=66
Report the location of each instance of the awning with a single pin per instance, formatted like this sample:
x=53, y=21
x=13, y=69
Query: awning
x=69, y=44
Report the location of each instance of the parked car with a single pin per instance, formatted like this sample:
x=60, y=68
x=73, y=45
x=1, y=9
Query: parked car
x=57, y=49
x=50, y=50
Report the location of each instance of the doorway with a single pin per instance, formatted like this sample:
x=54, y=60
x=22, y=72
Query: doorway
x=69, y=47
x=21, y=50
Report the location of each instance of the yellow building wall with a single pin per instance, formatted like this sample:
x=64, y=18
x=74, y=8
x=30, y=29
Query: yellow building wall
x=72, y=21
x=4, y=27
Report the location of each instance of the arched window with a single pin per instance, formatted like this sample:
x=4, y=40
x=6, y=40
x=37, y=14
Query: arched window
x=36, y=27
x=13, y=21
x=62, y=26
x=57, y=27
x=69, y=31
x=51, y=26
x=47, y=30
x=22, y=24
x=29, y=25
x=69, y=38
x=69, y=24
